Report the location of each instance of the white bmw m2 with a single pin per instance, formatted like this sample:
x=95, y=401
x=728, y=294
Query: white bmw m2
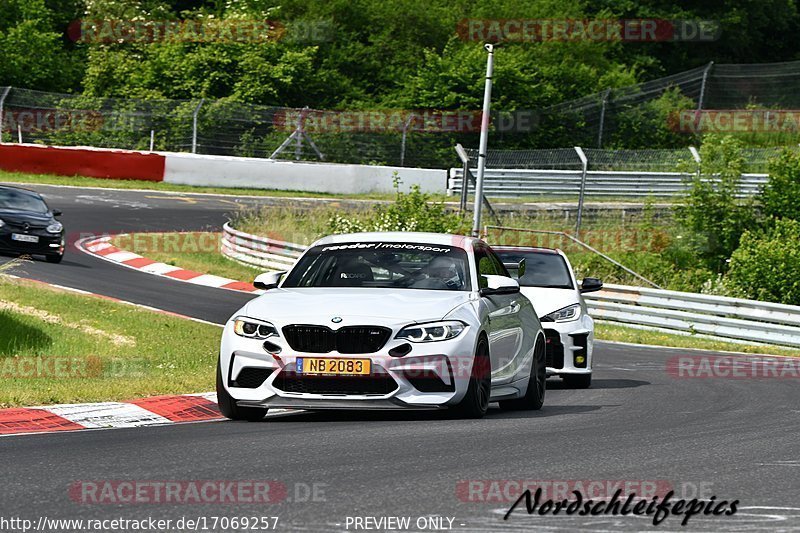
x=385, y=321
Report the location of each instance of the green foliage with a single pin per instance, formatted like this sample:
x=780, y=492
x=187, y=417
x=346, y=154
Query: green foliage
x=779, y=198
x=713, y=217
x=34, y=53
x=643, y=126
x=412, y=211
x=767, y=264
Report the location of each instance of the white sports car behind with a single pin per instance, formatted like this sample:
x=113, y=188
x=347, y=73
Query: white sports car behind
x=384, y=321
x=549, y=282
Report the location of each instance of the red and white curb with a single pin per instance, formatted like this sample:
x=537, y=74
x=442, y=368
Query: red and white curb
x=154, y=411
x=102, y=248
x=158, y=410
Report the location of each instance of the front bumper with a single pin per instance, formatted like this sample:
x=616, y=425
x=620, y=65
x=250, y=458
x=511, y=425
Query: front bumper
x=49, y=243
x=569, y=346
x=431, y=375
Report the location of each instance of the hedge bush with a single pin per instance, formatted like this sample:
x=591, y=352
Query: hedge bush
x=766, y=266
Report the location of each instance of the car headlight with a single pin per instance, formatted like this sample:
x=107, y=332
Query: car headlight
x=566, y=314
x=2, y=223
x=55, y=227
x=253, y=329
x=434, y=331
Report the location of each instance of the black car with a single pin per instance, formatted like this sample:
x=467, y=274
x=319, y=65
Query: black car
x=28, y=226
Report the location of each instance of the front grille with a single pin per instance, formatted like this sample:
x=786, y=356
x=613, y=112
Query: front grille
x=349, y=339
x=554, y=354
x=252, y=378
x=19, y=227
x=376, y=384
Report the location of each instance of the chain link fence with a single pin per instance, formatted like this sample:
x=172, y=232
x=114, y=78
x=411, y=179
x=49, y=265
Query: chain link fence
x=636, y=118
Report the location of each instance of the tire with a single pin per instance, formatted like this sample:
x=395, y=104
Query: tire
x=578, y=381
x=537, y=385
x=228, y=407
x=54, y=258
x=476, y=402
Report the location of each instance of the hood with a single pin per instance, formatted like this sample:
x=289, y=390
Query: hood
x=354, y=305
x=545, y=300
x=21, y=217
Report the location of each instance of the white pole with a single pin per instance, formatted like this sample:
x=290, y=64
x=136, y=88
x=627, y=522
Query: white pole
x=487, y=100
x=152, y=139
x=19, y=133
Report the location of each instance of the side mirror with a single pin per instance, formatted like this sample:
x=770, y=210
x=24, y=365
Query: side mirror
x=56, y=212
x=517, y=270
x=591, y=285
x=499, y=285
x=268, y=280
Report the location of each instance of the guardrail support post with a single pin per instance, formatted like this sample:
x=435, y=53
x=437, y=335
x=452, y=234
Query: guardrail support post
x=2, y=115
x=462, y=155
x=585, y=163
x=696, y=157
x=194, y=125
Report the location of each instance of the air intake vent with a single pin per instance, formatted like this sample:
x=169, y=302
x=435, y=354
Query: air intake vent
x=554, y=353
x=375, y=384
x=252, y=378
x=349, y=339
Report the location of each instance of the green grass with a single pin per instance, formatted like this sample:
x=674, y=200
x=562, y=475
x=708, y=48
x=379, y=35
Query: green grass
x=198, y=251
x=96, y=350
x=613, y=332
x=81, y=181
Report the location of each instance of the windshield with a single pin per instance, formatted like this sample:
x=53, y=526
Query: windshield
x=542, y=269
x=21, y=201
x=395, y=265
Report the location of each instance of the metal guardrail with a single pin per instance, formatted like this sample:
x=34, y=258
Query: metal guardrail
x=679, y=312
x=716, y=316
x=525, y=182
x=259, y=252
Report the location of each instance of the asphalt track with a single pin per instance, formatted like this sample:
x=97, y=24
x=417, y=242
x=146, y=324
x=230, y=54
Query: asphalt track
x=731, y=438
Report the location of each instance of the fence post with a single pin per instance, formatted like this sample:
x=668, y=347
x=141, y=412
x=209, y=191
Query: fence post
x=152, y=139
x=602, y=118
x=403, y=140
x=194, y=125
x=585, y=163
x=19, y=133
x=2, y=116
x=701, y=99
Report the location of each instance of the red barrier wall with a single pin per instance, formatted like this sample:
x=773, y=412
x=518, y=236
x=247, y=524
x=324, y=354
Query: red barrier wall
x=115, y=164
